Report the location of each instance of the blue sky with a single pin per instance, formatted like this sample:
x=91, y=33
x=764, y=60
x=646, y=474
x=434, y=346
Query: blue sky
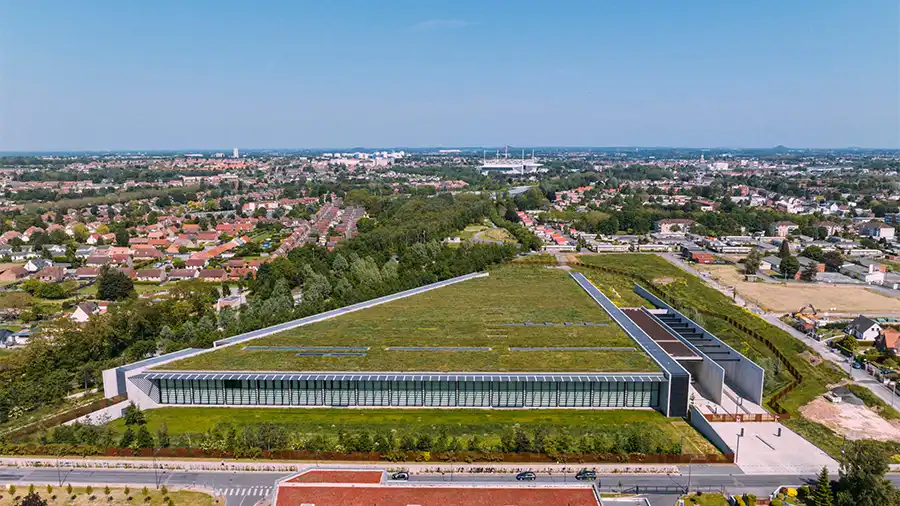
x=107, y=74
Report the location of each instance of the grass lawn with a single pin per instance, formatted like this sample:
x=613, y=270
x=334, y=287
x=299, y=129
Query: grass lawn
x=706, y=500
x=473, y=313
x=694, y=292
x=119, y=498
x=487, y=424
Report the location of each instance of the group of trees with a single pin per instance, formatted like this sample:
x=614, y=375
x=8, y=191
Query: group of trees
x=861, y=481
x=401, y=249
x=244, y=439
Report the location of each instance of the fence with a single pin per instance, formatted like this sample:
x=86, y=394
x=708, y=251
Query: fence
x=66, y=416
x=656, y=290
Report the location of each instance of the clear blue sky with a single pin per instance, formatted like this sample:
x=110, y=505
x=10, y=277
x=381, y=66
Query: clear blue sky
x=108, y=74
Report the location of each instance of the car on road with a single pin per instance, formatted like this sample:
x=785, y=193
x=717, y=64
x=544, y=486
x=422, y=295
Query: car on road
x=526, y=476
x=586, y=474
x=402, y=475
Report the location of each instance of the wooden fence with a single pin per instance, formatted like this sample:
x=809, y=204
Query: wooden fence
x=61, y=418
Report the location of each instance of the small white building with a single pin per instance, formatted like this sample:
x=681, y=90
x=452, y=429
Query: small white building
x=863, y=328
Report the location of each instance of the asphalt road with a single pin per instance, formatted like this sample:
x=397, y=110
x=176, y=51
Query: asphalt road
x=244, y=489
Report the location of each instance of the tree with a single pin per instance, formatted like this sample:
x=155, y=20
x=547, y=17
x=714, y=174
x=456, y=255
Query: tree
x=809, y=273
x=862, y=481
x=162, y=435
x=133, y=415
x=814, y=252
x=833, y=261
x=113, y=284
x=127, y=438
x=789, y=267
x=753, y=261
x=823, y=494
x=143, y=438
x=32, y=499
x=784, y=250
x=122, y=237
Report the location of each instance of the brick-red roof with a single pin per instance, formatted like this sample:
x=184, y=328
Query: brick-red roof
x=365, y=488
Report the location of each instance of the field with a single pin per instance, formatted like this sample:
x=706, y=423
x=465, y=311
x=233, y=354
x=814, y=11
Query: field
x=486, y=232
x=463, y=423
x=693, y=292
x=117, y=496
x=783, y=298
x=485, y=312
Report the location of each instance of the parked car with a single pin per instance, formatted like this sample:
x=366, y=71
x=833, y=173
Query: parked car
x=586, y=474
x=402, y=475
x=526, y=476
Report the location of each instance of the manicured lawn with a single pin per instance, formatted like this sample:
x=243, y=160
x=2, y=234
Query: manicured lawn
x=695, y=293
x=474, y=313
x=706, y=500
x=488, y=424
x=119, y=498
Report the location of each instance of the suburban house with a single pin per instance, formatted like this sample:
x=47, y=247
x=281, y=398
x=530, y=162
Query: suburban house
x=22, y=254
x=84, y=251
x=863, y=329
x=182, y=274
x=806, y=263
x=213, y=275
x=37, y=264
x=889, y=340
x=782, y=228
x=84, y=310
x=55, y=250
x=51, y=274
x=154, y=275
x=98, y=261
x=830, y=227
x=877, y=230
x=13, y=273
x=674, y=226
x=87, y=272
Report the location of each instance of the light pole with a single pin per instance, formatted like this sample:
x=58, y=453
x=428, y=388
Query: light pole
x=738, y=449
x=155, y=468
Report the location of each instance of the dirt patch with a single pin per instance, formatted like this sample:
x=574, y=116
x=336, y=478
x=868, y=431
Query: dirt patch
x=853, y=421
x=812, y=358
x=663, y=281
x=784, y=298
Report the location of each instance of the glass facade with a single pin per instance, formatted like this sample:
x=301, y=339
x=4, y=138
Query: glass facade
x=459, y=393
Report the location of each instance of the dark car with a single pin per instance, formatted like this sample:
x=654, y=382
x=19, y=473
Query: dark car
x=526, y=476
x=586, y=474
x=402, y=475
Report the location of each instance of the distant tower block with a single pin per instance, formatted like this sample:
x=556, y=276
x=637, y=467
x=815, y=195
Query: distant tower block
x=236, y=154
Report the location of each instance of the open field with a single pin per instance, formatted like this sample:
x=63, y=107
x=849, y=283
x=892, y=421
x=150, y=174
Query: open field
x=463, y=423
x=486, y=232
x=117, y=496
x=693, y=292
x=783, y=298
x=484, y=312
x=855, y=421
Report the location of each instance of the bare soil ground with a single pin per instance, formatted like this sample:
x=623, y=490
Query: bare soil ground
x=854, y=421
x=790, y=297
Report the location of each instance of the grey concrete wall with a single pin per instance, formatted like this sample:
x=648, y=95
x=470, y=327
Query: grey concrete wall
x=743, y=376
x=707, y=373
x=704, y=427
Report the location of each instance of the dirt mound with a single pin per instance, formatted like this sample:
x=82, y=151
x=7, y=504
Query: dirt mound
x=663, y=281
x=811, y=358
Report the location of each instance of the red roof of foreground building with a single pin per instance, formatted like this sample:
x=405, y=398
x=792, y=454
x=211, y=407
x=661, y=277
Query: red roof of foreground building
x=365, y=488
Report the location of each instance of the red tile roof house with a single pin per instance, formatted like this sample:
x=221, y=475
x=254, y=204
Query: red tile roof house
x=154, y=275
x=96, y=261
x=87, y=272
x=213, y=275
x=51, y=274
x=182, y=274
x=148, y=253
x=195, y=262
x=347, y=487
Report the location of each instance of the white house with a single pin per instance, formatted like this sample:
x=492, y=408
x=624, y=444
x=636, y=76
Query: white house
x=877, y=230
x=863, y=329
x=84, y=311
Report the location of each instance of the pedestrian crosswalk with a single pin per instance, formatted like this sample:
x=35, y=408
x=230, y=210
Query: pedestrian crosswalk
x=246, y=491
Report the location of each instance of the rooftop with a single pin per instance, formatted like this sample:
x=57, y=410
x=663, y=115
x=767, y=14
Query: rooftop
x=489, y=324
